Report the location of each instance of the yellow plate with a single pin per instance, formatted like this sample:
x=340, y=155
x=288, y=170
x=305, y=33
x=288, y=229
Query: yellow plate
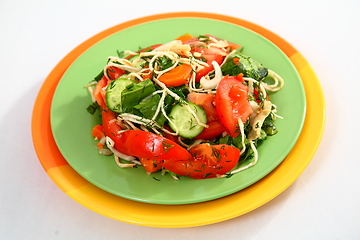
x=188, y=215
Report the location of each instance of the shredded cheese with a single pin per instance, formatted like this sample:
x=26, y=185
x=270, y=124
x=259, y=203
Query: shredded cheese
x=278, y=82
x=243, y=137
x=257, y=122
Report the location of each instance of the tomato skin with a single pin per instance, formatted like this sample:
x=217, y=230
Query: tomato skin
x=206, y=102
x=208, y=161
x=141, y=144
x=209, y=54
x=114, y=72
x=209, y=59
x=99, y=92
x=109, y=123
x=215, y=129
x=170, y=136
x=149, y=145
x=232, y=103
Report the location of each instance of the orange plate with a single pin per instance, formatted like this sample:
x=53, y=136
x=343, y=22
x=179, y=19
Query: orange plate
x=189, y=215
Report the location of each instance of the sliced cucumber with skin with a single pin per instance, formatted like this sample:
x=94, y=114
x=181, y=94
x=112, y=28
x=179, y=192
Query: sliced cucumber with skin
x=138, y=59
x=113, y=93
x=183, y=121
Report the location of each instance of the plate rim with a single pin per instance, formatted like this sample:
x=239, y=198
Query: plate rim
x=74, y=191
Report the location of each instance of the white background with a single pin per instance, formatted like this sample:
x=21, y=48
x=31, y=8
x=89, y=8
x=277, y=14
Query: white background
x=324, y=202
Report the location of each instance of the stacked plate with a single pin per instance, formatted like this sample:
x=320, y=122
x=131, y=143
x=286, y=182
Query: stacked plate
x=61, y=129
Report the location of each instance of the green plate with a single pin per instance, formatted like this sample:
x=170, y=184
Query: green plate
x=71, y=123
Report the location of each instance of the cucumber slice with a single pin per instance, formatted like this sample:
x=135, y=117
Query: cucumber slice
x=184, y=121
x=134, y=57
x=139, y=61
x=113, y=93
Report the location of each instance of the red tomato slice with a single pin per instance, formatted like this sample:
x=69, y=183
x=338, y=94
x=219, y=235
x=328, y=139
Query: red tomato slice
x=210, y=54
x=209, y=59
x=215, y=129
x=170, y=136
x=109, y=123
x=114, y=72
x=208, y=161
x=232, y=103
x=149, y=145
x=141, y=144
x=99, y=92
x=206, y=102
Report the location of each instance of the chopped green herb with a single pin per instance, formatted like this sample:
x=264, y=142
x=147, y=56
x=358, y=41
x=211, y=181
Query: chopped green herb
x=215, y=153
x=99, y=76
x=164, y=62
x=208, y=174
x=121, y=54
x=166, y=146
x=92, y=108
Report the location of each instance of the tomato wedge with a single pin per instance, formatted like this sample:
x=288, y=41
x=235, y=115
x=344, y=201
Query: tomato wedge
x=208, y=161
x=209, y=59
x=215, y=129
x=149, y=145
x=232, y=103
x=109, y=123
x=206, y=102
x=99, y=92
x=114, y=72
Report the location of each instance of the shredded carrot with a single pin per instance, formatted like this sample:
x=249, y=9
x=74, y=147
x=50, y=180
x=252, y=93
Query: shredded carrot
x=151, y=165
x=100, y=145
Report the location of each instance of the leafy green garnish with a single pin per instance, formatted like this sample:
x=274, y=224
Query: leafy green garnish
x=239, y=63
x=99, y=76
x=92, y=108
x=182, y=91
x=133, y=94
x=269, y=126
x=204, y=39
x=164, y=62
x=121, y=54
x=148, y=108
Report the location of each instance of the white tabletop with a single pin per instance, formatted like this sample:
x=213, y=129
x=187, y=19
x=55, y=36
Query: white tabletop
x=323, y=203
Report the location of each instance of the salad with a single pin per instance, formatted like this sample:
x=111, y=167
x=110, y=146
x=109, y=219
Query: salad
x=194, y=107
